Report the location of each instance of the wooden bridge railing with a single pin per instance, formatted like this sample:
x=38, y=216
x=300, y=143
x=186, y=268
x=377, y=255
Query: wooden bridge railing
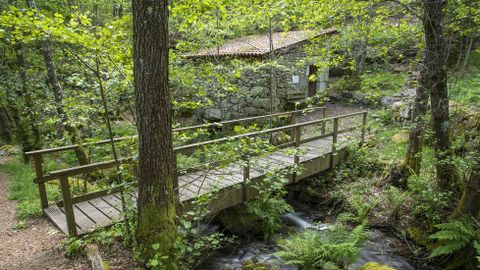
x=295, y=128
x=37, y=156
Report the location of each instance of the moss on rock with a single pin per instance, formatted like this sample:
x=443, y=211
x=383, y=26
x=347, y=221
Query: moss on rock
x=375, y=266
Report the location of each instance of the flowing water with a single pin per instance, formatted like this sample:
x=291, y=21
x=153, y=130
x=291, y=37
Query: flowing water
x=378, y=248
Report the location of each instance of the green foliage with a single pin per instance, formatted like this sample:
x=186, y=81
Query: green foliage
x=313, y=250
x=269, y=204
x=361, y=205
x=464, y=87
x=429, y=202
x=194, y=242
x=386, y=117
x=453, y=236
x=378, y=84
x=75, y=246
x=23, y=190
x=361, y=162
x=396, y=198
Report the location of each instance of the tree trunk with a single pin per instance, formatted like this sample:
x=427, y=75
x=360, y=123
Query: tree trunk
x=436, y=84
x=413, y=158
x=469, y=203
x=6, y=126
x=28, y=128
x=57, y=90
x=156, y=176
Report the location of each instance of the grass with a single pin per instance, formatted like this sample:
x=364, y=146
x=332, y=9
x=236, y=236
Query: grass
x=23, y=190
x=383, y=83
x=390, y=139
x=465, y=88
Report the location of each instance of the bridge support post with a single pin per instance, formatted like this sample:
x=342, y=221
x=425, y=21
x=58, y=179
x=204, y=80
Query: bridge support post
x=334, y=142
x=364, y=128
x=37, y=163
x=68, y=206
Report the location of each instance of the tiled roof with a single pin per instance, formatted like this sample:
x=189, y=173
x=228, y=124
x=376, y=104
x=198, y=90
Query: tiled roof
x=258, y=45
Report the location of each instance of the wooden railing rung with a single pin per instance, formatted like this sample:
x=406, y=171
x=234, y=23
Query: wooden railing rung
x=219, y=124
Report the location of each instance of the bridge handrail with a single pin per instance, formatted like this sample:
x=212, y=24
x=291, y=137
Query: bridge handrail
x=111, y=163
x=69, y=200
x=206, y=125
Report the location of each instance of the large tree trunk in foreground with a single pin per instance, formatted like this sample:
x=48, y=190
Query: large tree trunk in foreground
x=156, y=176
x=57, y=90
x=436, y=83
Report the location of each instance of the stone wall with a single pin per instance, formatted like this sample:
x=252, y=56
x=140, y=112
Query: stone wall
x=255, y=96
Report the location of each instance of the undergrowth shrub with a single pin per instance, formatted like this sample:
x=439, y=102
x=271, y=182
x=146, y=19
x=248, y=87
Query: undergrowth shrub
x=453, y=236
x=269, y=205
x=315, y=250
x=361, y=162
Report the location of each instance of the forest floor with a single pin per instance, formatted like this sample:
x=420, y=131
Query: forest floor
x=36, y=244
x=32, y=244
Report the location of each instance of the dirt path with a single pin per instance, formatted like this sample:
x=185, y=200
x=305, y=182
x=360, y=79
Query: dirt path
x=39, y=246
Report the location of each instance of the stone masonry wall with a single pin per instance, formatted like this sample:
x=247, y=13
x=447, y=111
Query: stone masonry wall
x=254, y=96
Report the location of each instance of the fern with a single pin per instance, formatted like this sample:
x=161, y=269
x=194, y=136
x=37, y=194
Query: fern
x=453, y=236
x=313, y=250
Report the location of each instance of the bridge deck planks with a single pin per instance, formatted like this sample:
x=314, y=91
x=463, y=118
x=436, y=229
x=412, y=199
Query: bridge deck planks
x=104, y=211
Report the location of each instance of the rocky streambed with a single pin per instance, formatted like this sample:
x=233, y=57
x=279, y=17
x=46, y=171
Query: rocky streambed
x=256, y=254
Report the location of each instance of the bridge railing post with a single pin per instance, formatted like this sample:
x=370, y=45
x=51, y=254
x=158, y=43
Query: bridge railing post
x=364, y=128
x=293, y=121
x=37, y=163
x=324, y=115
x=68, y=206
x=334, y=142
x=296, y=156
x=246, y=176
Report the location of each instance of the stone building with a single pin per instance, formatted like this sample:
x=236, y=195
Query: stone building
x=266, y=88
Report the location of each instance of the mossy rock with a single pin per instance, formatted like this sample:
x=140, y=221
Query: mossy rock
x=420, y=237
x=252, y=265
x=375, y=266
x=401, y=137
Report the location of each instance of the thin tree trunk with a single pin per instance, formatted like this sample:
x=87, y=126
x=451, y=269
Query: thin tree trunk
x=6, y=126
x=413, y=158
x=29, y=132
x=157, y=167
x=57, y=90
x=436, y=83
x=467, y=53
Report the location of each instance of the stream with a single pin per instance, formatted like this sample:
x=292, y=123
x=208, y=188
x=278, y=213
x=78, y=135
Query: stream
x=378, y=248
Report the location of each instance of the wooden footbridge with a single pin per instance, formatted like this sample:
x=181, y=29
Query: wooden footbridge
x=316, y=145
